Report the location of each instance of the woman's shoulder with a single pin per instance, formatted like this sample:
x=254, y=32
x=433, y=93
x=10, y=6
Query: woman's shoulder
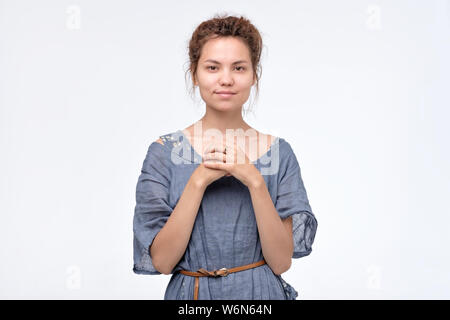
x=288, y=155
x=281, y=145
x=284, y=152
x=161, y=146
x=167, y=148
x=285, y=146
x=166, y=140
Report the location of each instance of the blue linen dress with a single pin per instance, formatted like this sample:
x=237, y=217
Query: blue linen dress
x=225, y=232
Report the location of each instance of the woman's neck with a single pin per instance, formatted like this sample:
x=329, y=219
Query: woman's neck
x=222, y=121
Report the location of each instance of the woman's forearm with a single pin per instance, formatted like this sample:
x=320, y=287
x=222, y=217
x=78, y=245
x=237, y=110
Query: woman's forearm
x=276, y=242
x=171, y=242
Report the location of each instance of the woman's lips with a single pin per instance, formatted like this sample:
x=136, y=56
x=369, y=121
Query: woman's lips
x=225, y=95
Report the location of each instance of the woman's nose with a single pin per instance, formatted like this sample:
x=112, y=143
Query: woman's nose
x=226, y=79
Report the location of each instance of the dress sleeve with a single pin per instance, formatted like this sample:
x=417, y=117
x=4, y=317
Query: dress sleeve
x=152, y=208
x=292, y=200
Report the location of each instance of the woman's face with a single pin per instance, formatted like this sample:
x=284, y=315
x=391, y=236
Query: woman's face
x=225, y=66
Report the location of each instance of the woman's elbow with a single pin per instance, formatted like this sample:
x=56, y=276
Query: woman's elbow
x=282, y=268
x=161, y=268
x=157, y=262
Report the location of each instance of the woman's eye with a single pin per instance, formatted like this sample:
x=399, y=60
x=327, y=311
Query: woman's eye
x=239, y=67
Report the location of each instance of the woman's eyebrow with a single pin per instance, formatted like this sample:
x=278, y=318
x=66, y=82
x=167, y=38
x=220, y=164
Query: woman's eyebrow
x=217, y=62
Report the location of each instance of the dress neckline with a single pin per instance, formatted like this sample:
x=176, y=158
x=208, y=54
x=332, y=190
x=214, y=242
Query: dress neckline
x=186, y=140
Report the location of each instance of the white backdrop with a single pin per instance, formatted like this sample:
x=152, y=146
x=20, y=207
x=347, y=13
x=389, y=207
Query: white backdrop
x=359, y=88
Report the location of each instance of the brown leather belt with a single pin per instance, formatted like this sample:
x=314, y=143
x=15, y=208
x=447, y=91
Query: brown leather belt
x=216, y=273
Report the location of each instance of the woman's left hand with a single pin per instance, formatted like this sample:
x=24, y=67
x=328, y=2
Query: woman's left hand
x=237, y=164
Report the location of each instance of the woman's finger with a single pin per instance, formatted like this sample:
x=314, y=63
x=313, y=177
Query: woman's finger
x=214, y=148
x=218, y=156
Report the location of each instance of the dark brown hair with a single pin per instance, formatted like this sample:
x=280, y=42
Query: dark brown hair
x=222, y=26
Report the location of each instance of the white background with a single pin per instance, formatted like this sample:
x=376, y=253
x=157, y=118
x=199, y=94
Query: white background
x=359, y=88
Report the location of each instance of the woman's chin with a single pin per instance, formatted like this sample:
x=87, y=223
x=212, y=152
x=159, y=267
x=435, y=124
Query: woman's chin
x=224, y=106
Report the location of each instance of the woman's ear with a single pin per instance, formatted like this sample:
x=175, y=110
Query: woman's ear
x=194, y=79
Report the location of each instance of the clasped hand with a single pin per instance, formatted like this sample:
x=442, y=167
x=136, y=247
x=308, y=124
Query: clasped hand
x=234, y=161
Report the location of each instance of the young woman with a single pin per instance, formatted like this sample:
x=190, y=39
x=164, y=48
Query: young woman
x=224, y=220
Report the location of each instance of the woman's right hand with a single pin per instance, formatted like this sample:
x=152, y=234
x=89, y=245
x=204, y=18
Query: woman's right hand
x=205, y=176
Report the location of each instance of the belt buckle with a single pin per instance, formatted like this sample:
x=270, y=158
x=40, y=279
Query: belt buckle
x=222, y=275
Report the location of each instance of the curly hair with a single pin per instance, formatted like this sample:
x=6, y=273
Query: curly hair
x=221, y=26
